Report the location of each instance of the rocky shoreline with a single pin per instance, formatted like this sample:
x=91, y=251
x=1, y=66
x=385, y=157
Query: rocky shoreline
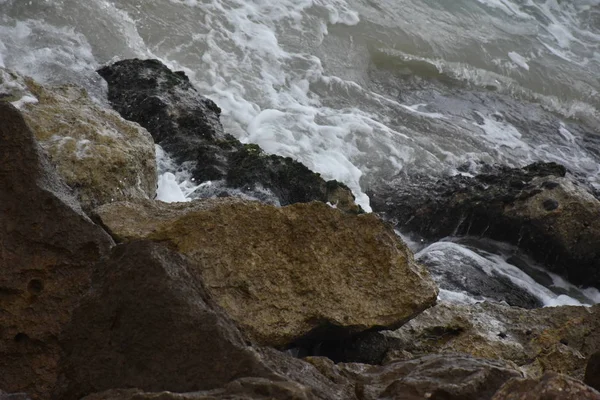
x=277, y=286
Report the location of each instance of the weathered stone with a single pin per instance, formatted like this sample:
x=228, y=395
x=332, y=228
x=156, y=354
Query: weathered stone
x=149, y=323
x=186, y=125
x=554, y=339
x=551, y=386
x=592, y=371
x=305, y=272
x=48, y=248
x=102, y=157
x=558, y=224
x=450, y=377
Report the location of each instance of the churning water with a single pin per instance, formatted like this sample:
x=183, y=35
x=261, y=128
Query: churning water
x=358, y=90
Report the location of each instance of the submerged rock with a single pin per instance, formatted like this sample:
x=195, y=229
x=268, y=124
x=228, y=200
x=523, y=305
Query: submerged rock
x=551, y=386
x=101, y=156
x=536, y=208
x=187, y=126
x=557, y=339
x=305, y=272
x=48, y=249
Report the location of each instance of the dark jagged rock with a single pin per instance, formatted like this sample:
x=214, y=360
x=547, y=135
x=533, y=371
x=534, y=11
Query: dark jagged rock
x=187, y=126
x=48, y=249
x=149, y=323
x=536, y=208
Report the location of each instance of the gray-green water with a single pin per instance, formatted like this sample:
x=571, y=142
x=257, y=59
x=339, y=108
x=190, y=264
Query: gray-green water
x=359, y=90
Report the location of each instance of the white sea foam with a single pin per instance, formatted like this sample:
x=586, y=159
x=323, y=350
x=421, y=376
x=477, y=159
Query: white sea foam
x=519, y=60
x=448, y=252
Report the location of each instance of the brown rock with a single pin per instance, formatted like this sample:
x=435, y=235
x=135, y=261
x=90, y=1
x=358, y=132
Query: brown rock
x=592, y=371
x=47, y=251
x=291, y=273
x=103, y=157
x=149, y=323
x=549, y=339
x=551, y=386
x=448, y=377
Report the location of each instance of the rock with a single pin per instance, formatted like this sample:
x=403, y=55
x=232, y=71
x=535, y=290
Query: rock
x=449, y=377
x=537, y=208
x=592, y=371
x=290, y=275
x=149, y=323
x=460, y=269
x=102, y=157
x=241, y=389
x=557, y=339
x=48, y=248
x=551, y=386
x=13, y=396
x=187, y=126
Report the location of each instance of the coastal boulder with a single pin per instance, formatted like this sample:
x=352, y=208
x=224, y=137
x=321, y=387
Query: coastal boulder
x=287, y=275
x=101, y=156
x=187, y=126
x=149, y=323
x=537, y=208
x=48, y=249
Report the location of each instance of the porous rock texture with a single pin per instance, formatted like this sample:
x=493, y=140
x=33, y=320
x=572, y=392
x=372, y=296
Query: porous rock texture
x=187, y=126
x=538, y=208
x=48, y=249
x=301, y=272
x=101, y=156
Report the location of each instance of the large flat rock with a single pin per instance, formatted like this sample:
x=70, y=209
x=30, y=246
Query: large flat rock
x=302, y=272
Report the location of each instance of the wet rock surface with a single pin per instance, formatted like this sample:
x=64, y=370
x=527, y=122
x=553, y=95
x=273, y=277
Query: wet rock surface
x=101, y=156
x=289, y=275
x=48, y=249
x=187, y=126
x=536, y=208
x=551, y=386
x=460, y=269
